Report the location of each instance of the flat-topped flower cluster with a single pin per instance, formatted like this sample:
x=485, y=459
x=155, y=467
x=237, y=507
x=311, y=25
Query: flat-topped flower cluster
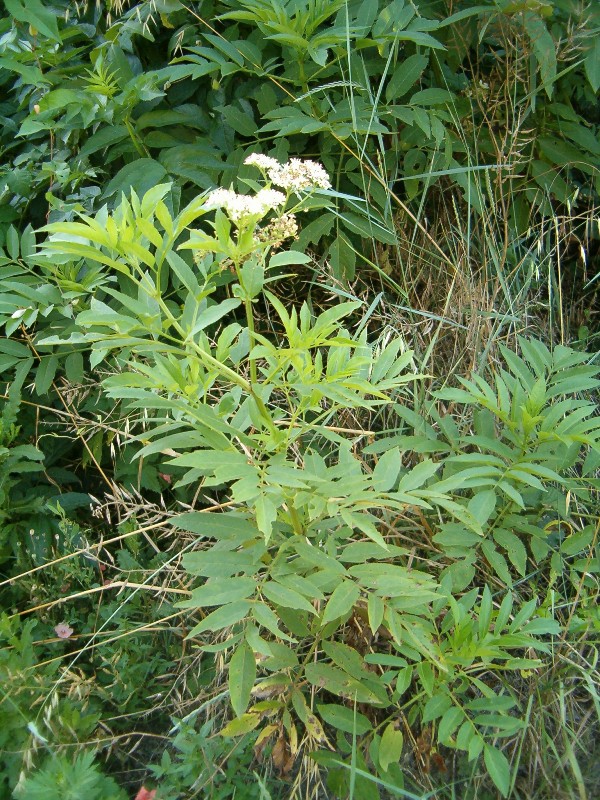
x=242, y=206
x=297, y=176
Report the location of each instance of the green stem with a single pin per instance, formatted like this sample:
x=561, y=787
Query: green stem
x=218, y=365
x=252, y=340
x=141, y=148
x=206, y=357
x=295, y=519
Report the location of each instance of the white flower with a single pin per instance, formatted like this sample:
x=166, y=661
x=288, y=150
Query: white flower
x=299, y=176
x=262, y=162
x=295, y=176
x=270, y=198
x=220, y=198
x=240, y=207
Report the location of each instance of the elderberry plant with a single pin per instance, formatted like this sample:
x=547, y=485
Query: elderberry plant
x=297, y=545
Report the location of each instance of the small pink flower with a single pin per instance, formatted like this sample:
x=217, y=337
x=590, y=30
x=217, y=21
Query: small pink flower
x=63, y=631
x=145, y=794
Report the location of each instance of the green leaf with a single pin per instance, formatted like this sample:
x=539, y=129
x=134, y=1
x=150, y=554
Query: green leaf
x=74, y=367
x=286, y=597
x=215, y=525
x=498, y=768
x=266, y=617
x=390, y=746
x=544, y=48
x=33, y=13
x=344, y=719
x=241, y=725
x=403, y=680
x=515, y=549
x=215, y=563
x=141, y=175
x=497, y=562
x=341, y=602
x=223, y=617
x=45, y=374
x=431, y=97
x=289, y=257
x=387, y=470
x=339, y=683
x=12, y=242
x=592, y=64
x=435, y=707
x=482, y=505
x=242, y=675
x=239, y=121
x=485, y=613
x=213, y=314
x=217, y=591
x=449, y=723
x=342, y=257
x=266, y=515
x=405, y=76
x=375, y=612
x=103, y=138
x=418, y=476
x=252, y=278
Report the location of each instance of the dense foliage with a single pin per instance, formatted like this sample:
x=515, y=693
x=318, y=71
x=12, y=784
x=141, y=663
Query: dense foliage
x=299, y=463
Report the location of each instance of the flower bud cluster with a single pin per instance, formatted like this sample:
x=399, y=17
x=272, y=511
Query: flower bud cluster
x=284, y=227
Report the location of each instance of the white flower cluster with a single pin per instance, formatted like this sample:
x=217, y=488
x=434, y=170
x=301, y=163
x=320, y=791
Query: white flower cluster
x=296, y=176
x=240, y=206
x=264, y=163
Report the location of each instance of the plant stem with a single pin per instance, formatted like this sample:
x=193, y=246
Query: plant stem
x=141, y=148
x=252, y=338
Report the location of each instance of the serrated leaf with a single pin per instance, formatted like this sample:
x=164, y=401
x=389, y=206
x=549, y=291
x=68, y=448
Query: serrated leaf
x=74, y=368
x=266, y=515
x=515, y=549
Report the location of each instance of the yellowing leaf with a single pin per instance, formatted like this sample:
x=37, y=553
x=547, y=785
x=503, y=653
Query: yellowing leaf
x=390, y=747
